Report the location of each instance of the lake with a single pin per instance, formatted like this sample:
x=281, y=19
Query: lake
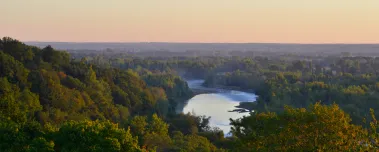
x=217, y=104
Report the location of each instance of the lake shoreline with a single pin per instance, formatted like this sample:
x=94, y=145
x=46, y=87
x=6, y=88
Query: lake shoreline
x=220, y=103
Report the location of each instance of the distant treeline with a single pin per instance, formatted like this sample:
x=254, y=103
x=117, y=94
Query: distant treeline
x=215, y=49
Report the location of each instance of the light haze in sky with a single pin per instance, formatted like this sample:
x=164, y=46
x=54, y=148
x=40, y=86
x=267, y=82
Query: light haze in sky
x=271, y=21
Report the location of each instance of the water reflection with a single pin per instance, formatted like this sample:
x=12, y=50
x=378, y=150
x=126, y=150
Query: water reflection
x=216, y=105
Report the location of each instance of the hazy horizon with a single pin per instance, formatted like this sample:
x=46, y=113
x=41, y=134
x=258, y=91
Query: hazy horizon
x=211, y=21
x=126, y=42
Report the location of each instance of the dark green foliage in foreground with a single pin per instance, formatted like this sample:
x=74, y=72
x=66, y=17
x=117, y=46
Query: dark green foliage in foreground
x=94, y=136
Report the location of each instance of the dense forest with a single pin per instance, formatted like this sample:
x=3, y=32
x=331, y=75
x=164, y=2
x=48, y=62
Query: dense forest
x=285, y=79
x=53, y=100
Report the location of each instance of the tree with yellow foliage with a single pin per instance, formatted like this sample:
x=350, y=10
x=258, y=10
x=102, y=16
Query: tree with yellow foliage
x=318, y=128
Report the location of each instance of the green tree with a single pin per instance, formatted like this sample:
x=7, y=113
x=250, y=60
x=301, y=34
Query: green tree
x=23, y=137
x=94, y=136
x=192, y=143
x=13, y=70
x=320, y=128
x=10, y=108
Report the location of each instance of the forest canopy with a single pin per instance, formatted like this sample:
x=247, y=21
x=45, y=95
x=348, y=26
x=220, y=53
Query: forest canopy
x=52, y=100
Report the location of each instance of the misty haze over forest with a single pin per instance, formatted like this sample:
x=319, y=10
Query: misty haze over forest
x=314, y=49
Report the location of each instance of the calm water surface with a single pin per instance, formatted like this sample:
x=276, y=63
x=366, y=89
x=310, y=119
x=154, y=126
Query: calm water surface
x=217, y=105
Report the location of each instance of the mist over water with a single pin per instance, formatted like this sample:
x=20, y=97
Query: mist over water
x=217, y=105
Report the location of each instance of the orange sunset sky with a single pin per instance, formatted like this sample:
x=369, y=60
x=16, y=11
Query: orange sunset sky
x=271, y=21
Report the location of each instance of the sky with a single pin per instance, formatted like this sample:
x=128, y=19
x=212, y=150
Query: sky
x=220, y=21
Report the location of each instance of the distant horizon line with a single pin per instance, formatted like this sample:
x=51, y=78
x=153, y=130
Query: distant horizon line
x=131, y=42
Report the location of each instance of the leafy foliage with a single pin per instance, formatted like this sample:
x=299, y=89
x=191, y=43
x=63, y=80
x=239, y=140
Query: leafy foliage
x=49, y=102
x=53, y=100
x=318, y=128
